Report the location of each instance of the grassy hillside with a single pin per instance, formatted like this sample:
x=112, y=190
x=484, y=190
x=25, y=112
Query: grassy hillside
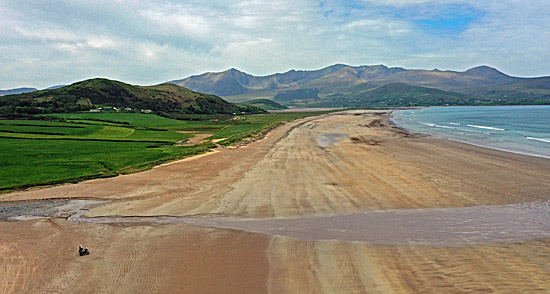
x=399, y=94
x=389, y=95
x=165, y=99
x=301, y=94
x=525, y=91
x=449, y=80
x=265, y=104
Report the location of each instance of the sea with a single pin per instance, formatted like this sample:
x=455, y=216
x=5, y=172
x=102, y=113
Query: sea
x=518, y=129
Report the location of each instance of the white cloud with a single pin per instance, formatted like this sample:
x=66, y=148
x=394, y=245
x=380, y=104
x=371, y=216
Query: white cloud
x=145, y=41
x=416, y=2
x=45, y=34
x=380, y=26
x=177, y=20
x=103, y=43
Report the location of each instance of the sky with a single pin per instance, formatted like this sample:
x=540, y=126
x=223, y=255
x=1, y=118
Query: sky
x=50, y=42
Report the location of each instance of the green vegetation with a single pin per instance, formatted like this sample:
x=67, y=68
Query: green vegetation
x=404, y=95
x=526, y=91
x=389, y=95
x=167, y=100
x=401, y=95
x=72, y=147
x=265, y=104
x=246, y=97
x=300, y=94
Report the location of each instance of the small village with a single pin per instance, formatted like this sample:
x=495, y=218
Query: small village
x=119, y=109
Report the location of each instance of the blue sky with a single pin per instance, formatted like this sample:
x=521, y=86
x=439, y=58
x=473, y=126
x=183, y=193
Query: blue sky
x=44, y=43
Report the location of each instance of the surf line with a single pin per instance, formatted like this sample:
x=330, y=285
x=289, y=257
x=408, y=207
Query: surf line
x=436, y=126
x=538, y=139
x=488, y=128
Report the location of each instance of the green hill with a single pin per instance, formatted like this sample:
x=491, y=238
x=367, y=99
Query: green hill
x=525, y=91
x=399, y=94
x=311, y=94
x=389, y=95
x=265, y=104
x=165, y=99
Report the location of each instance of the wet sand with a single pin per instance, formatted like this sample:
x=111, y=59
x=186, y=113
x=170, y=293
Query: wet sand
x=290, y=174
x=459, y=226
x=40, y=256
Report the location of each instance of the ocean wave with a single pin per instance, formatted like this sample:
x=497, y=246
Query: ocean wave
x=432, y=125
x=538, y=139
x=487, y=128
x=436, y=126
x=427, y=124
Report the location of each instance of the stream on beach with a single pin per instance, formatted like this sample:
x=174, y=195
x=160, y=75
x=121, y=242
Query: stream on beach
x=460, y=226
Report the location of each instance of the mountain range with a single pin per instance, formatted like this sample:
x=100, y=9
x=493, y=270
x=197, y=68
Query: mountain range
x=344, y=85
x=338, y=85
x=26, y=90
x=17, y=91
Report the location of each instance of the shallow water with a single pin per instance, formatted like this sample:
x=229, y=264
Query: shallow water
x=328, y=138
x=432, y=226
x=29, y=209
x=519, y=129
x=461, y=226
x=33, y=209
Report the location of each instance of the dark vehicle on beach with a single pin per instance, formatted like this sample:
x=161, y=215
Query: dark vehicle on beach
x=83, y=251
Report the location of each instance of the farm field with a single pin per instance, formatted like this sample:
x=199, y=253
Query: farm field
x=83, y=146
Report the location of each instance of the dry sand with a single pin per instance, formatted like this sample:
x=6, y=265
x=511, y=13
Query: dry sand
x=331, y=164
x=196, y=139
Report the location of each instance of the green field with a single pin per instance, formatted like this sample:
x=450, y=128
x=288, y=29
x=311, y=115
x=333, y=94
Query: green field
x=90, y=145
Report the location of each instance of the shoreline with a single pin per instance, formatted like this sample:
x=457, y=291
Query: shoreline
x=68, y=190
x=471, y=143
x=441, y=137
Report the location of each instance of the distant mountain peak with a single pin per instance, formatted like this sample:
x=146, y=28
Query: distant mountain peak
x=336, y=66
x=235, y=73
x=232, y=70
x=378, y=65
x=483, y=67
x=484, y=70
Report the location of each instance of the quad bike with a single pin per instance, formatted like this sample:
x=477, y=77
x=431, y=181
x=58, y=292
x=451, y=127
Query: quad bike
x=83, y=251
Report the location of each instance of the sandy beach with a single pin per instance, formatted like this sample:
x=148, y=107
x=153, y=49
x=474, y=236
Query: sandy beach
x=334, y=164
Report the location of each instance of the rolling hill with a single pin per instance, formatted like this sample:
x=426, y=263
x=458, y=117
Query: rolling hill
x=164, y=99
x=388, y=95
x=524, y=91
x=265, y=104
